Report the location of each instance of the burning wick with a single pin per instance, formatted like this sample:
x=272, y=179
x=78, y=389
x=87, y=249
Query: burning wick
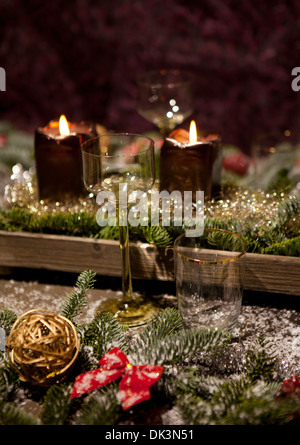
x=63, y=126
x=193, y=132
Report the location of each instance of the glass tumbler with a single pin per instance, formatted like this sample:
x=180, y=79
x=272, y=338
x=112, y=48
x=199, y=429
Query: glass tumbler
x=209, y=276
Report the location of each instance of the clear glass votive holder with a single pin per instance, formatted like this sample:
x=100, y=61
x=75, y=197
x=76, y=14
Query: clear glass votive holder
x=209, y=277
x=275, y=157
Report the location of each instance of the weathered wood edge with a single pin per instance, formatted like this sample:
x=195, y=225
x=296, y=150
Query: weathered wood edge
x=265, y=273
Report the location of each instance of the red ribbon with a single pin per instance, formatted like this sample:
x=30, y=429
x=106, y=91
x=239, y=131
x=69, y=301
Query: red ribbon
x=135, y=383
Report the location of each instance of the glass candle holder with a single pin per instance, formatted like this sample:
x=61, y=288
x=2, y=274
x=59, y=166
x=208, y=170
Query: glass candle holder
x=275, y=160
x=209, y=276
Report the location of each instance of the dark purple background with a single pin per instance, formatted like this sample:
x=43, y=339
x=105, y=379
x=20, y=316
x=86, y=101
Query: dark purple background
x=82, y=59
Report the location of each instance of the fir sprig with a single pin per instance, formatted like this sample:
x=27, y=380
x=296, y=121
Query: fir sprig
x=260, y=361
x=13, y=415
x=238, y=402
x=165, y=323
x=290, y=247
x=8, y=380
x=157, y=235
x=177, y=381
x=73, y=305
x=57, y=405
x=180, y=345
x=102, y=408
x=104, y=333
x=7, y=319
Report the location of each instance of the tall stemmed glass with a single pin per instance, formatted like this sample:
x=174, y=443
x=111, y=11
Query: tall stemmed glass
x=117, y=168
x=165, y=98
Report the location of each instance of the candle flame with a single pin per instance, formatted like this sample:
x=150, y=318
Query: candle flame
x=193, y=132
x=63, y=126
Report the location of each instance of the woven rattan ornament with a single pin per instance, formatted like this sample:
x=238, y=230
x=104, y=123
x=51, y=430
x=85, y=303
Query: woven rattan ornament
x=43, y=347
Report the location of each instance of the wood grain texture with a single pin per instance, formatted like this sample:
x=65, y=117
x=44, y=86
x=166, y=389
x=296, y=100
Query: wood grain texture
x=265, y=273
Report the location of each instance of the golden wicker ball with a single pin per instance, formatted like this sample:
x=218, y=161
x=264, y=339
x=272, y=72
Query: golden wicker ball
x=42, y=346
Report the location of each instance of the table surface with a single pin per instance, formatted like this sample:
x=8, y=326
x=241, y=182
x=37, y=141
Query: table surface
x=275, y=317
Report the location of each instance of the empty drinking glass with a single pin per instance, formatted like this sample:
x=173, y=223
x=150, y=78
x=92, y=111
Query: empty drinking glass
x=209, y=274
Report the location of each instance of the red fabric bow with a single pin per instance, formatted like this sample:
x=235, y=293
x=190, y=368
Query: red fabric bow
x=135, y=383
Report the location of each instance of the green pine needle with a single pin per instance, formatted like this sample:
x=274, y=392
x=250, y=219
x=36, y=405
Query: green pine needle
x=102, y=408
x=180, y=346
x=7, y=319
x=290, y=247
x=12, y=415
x=57, y=405
x=163, y=324
x=105, y=333
x=157, y=235
x=239, y=402
x=8, y=380
x=260, y=362
x=73, y=305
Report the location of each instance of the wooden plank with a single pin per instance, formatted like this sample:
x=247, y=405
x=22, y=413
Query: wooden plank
x=267, y=273
x=272, y=273
x=61, y=253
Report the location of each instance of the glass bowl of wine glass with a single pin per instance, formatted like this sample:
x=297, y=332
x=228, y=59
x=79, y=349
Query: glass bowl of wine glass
x=165, y=98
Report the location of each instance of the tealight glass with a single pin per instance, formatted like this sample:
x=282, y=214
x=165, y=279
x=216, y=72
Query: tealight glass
x=209, y=276
x=275, y=157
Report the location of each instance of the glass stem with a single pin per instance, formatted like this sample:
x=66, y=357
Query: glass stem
x=164, y=132
x=125, y=258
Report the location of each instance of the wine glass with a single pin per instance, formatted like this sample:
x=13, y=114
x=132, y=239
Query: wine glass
x=117, y=168
x=165, y=98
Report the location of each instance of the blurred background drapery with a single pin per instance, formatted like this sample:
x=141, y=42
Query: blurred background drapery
x=82, y=59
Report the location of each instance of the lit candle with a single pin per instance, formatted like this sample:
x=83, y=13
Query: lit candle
x=190, y=161
x=58, y=159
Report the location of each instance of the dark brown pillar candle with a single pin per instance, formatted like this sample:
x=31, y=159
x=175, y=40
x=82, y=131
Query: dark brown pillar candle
x=191, y=166
x=58, y=160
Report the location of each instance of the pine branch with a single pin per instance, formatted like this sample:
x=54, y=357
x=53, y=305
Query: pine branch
x=260, y=362
x=157, y=235
x=8, y=379
x=255, y=404
x=73, y=305
x=12, y=415
x=289, y=208
x=85, y=362
x=165, y=323
x=7, y=319
x=57, y=405
x=104, y=333
x=109, y=232
x=178, y=381
x=239, y=402
x=290, y=247
x=179, y=346
x=70, y=224
x=102, y=408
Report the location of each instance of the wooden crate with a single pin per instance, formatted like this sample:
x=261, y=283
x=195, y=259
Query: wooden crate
x=266, y=273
